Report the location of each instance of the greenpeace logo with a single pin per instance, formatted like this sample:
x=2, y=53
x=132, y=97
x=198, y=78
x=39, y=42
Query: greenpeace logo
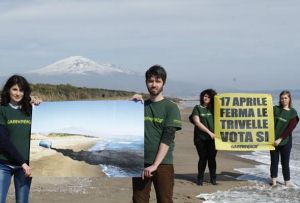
x=206, y=114
x=244, y=146
x=177, y=121
x=281, y=119
x=19, y=122
x=155, y=120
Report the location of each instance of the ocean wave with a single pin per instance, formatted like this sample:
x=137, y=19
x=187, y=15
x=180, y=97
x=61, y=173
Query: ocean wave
x=114, y=171
x=260, y=175
x=260, y=193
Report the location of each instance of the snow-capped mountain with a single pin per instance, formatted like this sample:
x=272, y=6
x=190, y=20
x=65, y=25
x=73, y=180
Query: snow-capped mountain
x=83, y=72
x=78, y=65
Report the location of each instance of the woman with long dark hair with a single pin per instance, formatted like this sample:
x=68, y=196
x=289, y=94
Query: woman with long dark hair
x=15, y=125
x=203, y=119
x=285, y=120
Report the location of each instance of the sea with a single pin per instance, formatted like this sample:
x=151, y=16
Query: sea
x=260, y=191
x=121, y=145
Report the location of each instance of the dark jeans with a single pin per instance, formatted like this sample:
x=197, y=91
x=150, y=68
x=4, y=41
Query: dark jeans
x=284, y=152
x=207, y=153
x=163, y=180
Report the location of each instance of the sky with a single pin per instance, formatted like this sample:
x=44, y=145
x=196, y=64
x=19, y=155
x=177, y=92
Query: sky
x=252, y=45
x=106, y=119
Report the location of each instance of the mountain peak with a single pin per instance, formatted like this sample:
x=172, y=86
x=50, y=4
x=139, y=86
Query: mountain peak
x=78, y=65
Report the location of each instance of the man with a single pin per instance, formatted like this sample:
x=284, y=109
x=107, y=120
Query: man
x=162, y=120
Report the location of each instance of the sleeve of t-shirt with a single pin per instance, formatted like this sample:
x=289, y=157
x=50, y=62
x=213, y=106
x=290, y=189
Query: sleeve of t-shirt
x=168, y=135
x=2, y=117
x=289, y=129
x=275, y=112
x=195, y=112
x=173, y=118
x=8, y=148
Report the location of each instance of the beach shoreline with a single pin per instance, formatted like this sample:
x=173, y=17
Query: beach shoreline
x=186, y=189
x=97, y=187
x=42, y=159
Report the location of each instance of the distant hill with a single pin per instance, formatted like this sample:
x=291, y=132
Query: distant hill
x=62, y=92
x=83, y=72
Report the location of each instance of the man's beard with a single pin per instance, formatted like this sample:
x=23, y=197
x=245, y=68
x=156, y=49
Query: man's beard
x=155, y=93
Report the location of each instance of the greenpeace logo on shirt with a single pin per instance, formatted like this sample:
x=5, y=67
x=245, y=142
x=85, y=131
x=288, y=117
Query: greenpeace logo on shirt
x=177, y=121
x=206, y=114
x=18, y=122
x=155, y=120
x=159, y=120
x=281, y=119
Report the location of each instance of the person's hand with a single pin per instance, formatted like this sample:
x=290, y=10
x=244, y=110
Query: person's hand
x=137, y=97
x=277, y=142
x=212, y=135
x=147, y=172
x=26, y=169
x=35, y=100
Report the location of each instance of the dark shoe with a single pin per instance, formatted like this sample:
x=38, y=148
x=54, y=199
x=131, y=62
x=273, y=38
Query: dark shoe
x=213, y=181
x=199, y=182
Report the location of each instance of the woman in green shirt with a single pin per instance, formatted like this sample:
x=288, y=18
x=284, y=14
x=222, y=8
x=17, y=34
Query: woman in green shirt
x=203, y=119
x=285, y=120
x=15, y=124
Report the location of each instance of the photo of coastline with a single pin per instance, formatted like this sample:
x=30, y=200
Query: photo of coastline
x=94, y=136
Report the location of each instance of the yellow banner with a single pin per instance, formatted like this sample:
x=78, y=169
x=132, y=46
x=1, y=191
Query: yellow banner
x=244, y=122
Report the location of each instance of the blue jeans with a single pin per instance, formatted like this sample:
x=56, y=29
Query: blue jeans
x=22, y=183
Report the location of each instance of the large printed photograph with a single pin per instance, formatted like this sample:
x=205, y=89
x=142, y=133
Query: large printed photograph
x=94, y=137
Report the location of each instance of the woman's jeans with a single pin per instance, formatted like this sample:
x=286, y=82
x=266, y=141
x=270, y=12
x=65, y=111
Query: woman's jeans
x=22, y=183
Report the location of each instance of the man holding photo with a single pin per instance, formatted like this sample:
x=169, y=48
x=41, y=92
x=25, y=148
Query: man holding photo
x=162, y=120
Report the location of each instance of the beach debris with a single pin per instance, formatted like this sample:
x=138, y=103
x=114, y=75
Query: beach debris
x=45, y=143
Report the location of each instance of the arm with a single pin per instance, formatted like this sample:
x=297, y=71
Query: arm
x=167, y=138
x=288, y=130
x=8, y=148
x=162, y=151
x=198, y=124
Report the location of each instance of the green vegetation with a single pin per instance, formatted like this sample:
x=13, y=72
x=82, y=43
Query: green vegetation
x=61, y=134
x=67, y=134
x=67, y=92
x=48, y=92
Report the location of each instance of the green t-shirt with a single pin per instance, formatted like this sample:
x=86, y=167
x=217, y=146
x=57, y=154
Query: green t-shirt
x=158, y=115
x=282, y=118
x=206, y=118
x=18, y=126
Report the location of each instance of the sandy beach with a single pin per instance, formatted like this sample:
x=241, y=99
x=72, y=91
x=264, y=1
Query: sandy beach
x=45, y=161
x=51, y=186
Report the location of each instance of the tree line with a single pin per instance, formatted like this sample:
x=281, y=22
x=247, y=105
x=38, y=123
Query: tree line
x=67, y=92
